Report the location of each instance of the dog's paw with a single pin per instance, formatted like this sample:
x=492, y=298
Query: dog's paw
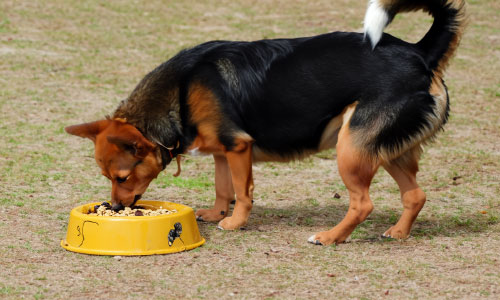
x=326, y=238
x=396, y=233
x=210, y=215
x=231, y=223
x=312, y=239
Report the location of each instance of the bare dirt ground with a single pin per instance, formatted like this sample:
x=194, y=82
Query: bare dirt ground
x=64, y=62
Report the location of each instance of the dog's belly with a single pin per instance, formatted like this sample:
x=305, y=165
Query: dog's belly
x=328, y=140
x=293, y=133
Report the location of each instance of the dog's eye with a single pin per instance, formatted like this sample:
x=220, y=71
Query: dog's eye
x=121, y=179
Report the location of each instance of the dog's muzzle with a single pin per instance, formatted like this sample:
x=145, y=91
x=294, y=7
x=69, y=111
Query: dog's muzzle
x=117, y=207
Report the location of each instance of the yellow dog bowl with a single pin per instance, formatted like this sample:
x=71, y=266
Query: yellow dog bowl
x=133, y=235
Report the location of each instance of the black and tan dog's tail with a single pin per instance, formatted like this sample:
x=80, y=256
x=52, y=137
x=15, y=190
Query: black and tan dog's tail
x=440, y=42
x=391, y=127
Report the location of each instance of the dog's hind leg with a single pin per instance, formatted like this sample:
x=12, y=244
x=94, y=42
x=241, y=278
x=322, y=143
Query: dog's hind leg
x=240, y=163
x=404, y=170
x=357, y=171
x=224, y=192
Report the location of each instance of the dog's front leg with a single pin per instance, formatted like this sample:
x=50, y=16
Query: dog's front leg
x=240, y=164
x=224, y=192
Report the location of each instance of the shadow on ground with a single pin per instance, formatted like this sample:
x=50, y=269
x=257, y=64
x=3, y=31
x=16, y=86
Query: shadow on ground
x=324, y=217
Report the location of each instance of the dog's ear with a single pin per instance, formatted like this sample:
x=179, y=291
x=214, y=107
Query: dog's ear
x=88, y=130
x=135, y=143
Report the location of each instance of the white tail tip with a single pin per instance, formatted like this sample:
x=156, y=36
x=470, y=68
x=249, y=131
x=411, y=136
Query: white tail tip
x=376, y=19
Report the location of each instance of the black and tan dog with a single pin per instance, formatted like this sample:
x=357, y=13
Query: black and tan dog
x=374, y=97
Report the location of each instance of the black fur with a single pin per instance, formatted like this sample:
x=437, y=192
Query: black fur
x=283, y=92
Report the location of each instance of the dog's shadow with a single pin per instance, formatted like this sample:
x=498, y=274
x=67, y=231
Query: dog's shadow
x=325, y=217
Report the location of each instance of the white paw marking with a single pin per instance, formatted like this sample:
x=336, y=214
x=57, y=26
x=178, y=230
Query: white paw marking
x=219, y=226
x=312, y=239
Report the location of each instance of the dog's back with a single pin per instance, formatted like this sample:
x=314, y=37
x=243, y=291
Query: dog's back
x=288, y=104
x=284, y=93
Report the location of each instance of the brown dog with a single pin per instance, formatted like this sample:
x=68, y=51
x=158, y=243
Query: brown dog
x=375, y=98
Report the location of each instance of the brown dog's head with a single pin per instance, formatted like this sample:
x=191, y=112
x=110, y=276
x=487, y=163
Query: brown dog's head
x=125, y=157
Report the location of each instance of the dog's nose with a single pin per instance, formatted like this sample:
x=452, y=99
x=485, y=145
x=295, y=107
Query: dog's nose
x=117, y=207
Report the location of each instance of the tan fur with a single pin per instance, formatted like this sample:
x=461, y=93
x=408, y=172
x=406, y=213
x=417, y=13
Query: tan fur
x=205, y=113
x=260, y=155
x=330, y=134
x=357, y=172
x=139, y=169
x=412, y=197
x=240, y=165
x=224, y=192
x=440, y=95
x=438, y=92
x=462, y=19
x=436, y=121
x=408, y=160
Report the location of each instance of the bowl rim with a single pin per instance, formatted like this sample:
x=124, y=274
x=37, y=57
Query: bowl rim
x=183, y=209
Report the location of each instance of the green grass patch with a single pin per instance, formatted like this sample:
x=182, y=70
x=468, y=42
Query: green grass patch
x=197, y=183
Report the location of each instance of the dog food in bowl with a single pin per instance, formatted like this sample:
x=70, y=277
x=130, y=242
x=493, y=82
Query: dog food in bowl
x=105, y=210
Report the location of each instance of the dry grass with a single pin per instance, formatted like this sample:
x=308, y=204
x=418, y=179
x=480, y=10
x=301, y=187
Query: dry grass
x=64, y=62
